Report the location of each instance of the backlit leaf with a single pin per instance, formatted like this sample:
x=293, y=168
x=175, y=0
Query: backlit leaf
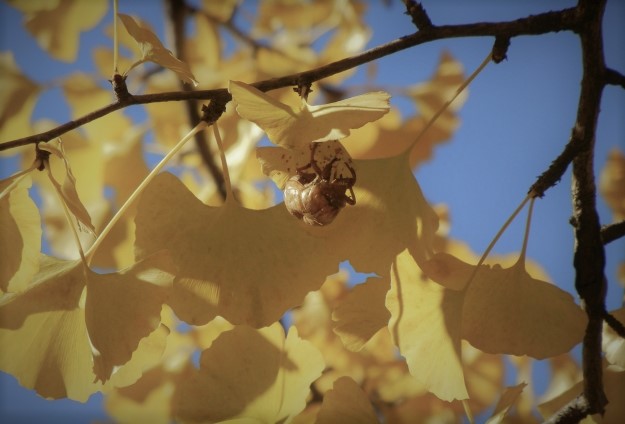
x=346, y=403
x=67, y=190
x=267, y=380
x=57, y=25
x=123, y=308
x=362, y=313
x=508, y=311
x=612, y=183
x=508, y=398
x=227, y=256
x=425, y=324
x=47, y=330
x=20, y=237
x=292, y=127
x=153, y=50
x=389, y=200
x=18, y=95
x=613, y=344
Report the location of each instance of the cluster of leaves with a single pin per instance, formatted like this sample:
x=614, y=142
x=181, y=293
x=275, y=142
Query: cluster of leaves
x=426, y=337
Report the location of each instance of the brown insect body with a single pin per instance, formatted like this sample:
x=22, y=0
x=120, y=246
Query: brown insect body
x=317, y=198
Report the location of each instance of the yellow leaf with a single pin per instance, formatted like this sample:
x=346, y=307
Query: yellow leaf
x=291, y=127
x=388, y=199
x=280, y=163
x=612, y=183
x=430, y=96
x=47, y=330
x=20, y=237
x=221, y=10
x=362, y=313
x=123, y=308
x=448, y=271
x=68, y=189
x=153, y=50
x=613, y=344
x=392, y=134
x=508, y=398
x=277, y=14
x=391, y=214
x=346, y=403
x=57, y=25
x=508, y=311
x=227, y=256
x=84, y=95
x=18, y=95
x=43, y=334
x=425, y=324
x=267, y=380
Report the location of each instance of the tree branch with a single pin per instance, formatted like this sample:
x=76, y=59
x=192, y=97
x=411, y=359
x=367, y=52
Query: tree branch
x=589, y=256
x=613, y=77
x=565, y=19
x=614, y=324
x=612, y=232
x=177, y=14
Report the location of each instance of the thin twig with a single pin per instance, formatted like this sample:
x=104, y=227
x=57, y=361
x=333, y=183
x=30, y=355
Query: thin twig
x=612, y=232
x=417, y=13
x=613, y=77
x=614, y=324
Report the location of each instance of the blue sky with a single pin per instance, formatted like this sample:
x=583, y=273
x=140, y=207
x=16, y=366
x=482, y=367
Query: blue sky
x=518, y=117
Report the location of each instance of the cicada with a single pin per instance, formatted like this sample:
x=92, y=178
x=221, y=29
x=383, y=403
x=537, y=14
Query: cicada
x=317, y=193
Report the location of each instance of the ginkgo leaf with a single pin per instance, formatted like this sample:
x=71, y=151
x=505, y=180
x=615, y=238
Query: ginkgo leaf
x=613, y=344
x=47, y=330
x=362, y=313
x=68, y=189
x=227, y=257
x=18, y=95
x=267, y=380
x=149, y=399
x=393, y=134
x=612, y=183
x=290, y=127
x=508, y=398
x=20, y=238
x=448, y=271
x=425, y=324
x=123, y=308
x=57, y=26
x=508, y=311
x=431, y=95
x=388, y=199
x=154, y=51
x=346, y=403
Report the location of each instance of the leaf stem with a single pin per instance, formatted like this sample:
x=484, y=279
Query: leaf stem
x=467, y=411
x=199, y=127
x=496, y=239
x=459, y=90
x=527, y=230
x=115, y=39
x=224, y=163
